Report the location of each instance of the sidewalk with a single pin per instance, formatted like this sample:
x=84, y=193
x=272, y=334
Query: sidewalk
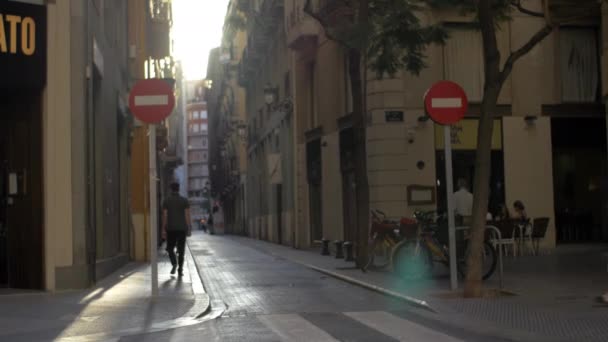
x=554, y=293
x=119, y=305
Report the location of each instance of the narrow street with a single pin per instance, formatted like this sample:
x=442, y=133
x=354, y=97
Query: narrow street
x=267, y=298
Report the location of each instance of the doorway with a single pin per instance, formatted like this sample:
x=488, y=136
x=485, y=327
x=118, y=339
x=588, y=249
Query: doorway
x=463, y=164
x=21, y=235
x=314, y=166
x=580, y=186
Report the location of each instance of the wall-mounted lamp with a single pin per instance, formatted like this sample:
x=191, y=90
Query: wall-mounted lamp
x=423, y=118
x=270, y=94
x=530, y=119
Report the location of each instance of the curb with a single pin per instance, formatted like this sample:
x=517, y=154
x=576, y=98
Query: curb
x=409, y=300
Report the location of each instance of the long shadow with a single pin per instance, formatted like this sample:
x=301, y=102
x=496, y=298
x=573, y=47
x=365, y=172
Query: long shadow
x=45, y=317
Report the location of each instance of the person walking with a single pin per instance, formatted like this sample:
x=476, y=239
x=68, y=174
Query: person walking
x=176, y=226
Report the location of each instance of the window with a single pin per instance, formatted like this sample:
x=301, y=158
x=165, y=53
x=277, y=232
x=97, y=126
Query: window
x=195, y=128
x=196, y=115
x=204, y=142
x=204, y=114
x=205, y=157
x=463, y=56
x=579, y=69
x=204, y=127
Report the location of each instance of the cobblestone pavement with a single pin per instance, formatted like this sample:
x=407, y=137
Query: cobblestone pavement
x=269, y=298
x=554, y=293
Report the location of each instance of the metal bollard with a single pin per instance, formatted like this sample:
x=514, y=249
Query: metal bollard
x=325, y=247
x=348, y=246
x=339, y=253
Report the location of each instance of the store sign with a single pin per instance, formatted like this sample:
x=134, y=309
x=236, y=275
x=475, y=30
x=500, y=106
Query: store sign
x=22, y=44
x=464, y=135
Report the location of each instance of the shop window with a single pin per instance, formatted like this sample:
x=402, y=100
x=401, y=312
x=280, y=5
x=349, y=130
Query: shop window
x=463, y=56
x=579, y=64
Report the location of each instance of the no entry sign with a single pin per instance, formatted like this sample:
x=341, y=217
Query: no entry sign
x=446, y=102
x=151, y=100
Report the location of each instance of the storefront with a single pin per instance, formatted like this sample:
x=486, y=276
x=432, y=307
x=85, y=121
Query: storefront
x=464, y=144
x=23, y=70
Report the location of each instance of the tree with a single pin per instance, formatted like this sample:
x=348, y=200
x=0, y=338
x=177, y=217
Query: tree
x=386, y=36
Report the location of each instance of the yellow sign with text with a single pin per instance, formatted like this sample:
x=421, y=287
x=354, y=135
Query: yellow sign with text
x=17, y=34
x=464, y=135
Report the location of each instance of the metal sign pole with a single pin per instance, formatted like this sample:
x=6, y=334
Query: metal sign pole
x=153, y=211
x=449, y=185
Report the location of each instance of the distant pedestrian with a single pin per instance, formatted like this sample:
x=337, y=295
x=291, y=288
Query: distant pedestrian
x=176, y=226
x=463, y=203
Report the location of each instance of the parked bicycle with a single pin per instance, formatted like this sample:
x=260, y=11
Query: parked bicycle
x=411, y=247
x=416, y=258
x=385, y=235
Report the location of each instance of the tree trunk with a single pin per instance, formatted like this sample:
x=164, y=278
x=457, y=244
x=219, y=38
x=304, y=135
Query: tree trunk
x=360, y=132
x=481, y=183
x=360, y=127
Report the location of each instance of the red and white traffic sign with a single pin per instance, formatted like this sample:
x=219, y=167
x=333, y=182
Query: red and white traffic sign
x=151, y=100
x=446, y=102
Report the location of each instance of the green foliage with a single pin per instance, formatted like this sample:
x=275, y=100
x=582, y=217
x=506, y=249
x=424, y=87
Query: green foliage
x=398, y=38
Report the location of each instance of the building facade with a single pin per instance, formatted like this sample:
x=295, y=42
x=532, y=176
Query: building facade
x=549, y=143
x=198, y=150
x=228, y=119
x=64, y=144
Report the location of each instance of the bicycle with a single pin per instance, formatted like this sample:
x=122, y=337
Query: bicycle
x=385, y=235
x=416, y=258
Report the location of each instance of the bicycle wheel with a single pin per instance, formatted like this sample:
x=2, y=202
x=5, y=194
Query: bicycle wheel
x=412, y=260
x=488, y=264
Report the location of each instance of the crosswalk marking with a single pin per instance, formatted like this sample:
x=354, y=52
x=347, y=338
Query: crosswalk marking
x=398, y=328
x=291, y=327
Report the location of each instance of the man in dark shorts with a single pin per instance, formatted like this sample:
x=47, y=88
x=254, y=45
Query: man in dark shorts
x=176, y=226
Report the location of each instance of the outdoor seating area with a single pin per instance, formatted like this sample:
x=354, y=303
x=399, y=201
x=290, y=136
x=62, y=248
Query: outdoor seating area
x=519, y=238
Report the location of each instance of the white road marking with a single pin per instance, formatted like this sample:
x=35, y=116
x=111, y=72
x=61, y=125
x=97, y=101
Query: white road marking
x=448, y=102
x=398, y=328
x=291, y=327
x=152, y=100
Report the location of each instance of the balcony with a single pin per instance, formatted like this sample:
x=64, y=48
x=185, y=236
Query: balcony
x=336, y=13
x=302, y=30
x=159, y=27
x=263, y=26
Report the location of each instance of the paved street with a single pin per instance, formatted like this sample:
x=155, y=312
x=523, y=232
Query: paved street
x=268, y=298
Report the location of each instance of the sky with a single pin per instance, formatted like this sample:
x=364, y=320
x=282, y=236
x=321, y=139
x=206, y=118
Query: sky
x=197, y=28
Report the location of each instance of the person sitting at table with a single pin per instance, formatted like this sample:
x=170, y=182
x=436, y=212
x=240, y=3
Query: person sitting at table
x=520, y=212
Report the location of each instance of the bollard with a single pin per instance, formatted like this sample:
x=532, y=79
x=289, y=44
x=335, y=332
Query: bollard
x=325, y=247
x=348, y=246
x=339, y=253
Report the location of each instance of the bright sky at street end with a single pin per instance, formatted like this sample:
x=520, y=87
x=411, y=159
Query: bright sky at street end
x=197, y=28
